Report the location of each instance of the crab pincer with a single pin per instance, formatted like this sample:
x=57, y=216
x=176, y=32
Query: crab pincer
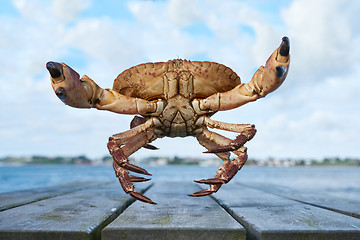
x=268, y=78
x=68, y=86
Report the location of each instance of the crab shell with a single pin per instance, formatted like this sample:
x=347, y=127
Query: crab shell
x=151, y=81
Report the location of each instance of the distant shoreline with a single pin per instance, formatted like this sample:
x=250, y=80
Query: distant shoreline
x=162, y=161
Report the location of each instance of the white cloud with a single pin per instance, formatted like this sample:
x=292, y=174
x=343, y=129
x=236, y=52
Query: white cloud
x=32, y=10
x=325, y=37
x=69, y=10
x=184, y=12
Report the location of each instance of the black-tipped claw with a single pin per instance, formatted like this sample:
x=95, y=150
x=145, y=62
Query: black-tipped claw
x=54, y=69
x=285, y=47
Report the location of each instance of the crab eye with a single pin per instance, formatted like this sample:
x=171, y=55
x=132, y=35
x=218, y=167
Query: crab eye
x=61, y=93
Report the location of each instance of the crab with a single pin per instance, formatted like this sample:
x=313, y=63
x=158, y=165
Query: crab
x=174, y=99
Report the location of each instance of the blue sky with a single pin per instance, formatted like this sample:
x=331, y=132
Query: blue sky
x=314, y=114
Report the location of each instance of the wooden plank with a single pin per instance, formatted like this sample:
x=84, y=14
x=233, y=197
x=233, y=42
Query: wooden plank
x=176, y=216
x=78, y=215
x=319, y=198
x=268, y=216
x=18, y=198
x=348, y=193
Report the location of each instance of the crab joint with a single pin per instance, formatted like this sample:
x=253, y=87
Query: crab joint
x=211, y=103
x=149, y=108
x=208, y=105
x=68, y=86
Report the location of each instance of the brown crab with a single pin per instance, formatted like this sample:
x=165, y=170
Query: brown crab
x=175, y=99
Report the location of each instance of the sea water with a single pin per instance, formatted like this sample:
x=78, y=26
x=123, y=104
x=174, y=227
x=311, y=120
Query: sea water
x=341, y=181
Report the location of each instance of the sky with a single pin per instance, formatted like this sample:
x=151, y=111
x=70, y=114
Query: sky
x=314, y=114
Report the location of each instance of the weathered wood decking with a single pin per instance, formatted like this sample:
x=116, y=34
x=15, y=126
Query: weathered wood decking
x=238, y=211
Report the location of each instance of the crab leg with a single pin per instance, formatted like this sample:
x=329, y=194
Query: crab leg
x=123, y=137
x=138, y=121
x=121, y=146
x=247, y=132
x=232, y=127
x=265, y=80
x=126, y=183
x=85, y=93
x=208, y=144
x=227, y=170
x=121, y=159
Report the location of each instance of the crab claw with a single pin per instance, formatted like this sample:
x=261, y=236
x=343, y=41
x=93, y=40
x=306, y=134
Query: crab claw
x=267, y=79
x=284, y=47
x=67, y=85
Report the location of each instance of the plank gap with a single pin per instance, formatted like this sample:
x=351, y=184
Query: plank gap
x=95, y=232
x=249, y=230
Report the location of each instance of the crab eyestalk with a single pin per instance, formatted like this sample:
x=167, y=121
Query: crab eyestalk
x=68, y=86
